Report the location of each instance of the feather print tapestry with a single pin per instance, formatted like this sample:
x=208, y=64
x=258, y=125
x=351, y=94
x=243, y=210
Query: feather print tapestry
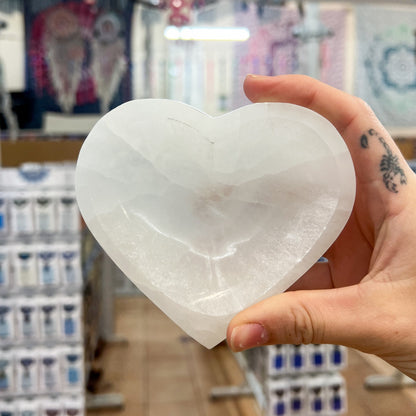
x=78, y=56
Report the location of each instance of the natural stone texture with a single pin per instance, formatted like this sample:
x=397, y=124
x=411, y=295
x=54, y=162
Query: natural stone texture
x=210, y=215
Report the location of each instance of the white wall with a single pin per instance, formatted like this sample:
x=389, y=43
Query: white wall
x=12, y=51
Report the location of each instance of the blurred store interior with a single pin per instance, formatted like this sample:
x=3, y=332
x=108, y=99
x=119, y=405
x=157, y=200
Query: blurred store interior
x=77, y=337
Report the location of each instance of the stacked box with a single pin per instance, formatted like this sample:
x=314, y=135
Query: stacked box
x=41, y=336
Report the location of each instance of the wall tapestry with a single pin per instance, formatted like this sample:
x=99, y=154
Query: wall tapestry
x=386, y=68
x=273, y=50
x=78, y=55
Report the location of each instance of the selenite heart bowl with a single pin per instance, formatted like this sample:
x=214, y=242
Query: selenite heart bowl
x=209, y=215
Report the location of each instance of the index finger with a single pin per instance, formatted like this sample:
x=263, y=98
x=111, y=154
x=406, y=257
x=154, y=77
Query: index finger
x=341, y=109
x=351, y=116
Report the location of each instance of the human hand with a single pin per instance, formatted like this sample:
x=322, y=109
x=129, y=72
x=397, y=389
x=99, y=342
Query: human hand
x=365, y=296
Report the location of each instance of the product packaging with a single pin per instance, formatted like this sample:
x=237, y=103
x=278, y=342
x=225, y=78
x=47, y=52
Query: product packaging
x=70, y=264
x=72, y=367
x=24, y=266
x=27, y=315
x=21, y=213
x=48, y=266
x=68, y=213
x=316, y=395
x=7, y=380
x=297, y=359
x=278, y=397
x=49, y=370
x=337, y=357
x=277, y=360
x=297, y=396
x=317, y=357
x=4, y=223
x=336, y=394
x=8, y=408
x=50, y=407
x=49, y=318
x=5, y=281
x=73, y=406
x=7, y=321
x=45, y=212
x=27, y=371
x=70, y=312
x=26, y=407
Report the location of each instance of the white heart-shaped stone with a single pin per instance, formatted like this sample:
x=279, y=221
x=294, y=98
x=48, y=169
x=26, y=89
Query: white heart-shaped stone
x=210, y=215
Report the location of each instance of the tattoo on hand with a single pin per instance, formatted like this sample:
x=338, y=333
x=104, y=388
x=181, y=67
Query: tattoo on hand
x=393, y=174
x=364, y=141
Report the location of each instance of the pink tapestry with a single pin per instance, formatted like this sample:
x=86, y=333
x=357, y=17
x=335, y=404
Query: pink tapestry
x=273, y=49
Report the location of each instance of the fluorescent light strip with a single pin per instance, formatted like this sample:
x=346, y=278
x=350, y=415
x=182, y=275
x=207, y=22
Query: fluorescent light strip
x=238, y=34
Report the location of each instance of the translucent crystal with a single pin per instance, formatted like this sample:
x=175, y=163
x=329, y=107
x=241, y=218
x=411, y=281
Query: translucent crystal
x=210, y=215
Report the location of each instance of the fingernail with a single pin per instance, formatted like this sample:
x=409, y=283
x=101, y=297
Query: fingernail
x=248, y=336
x=256, y=76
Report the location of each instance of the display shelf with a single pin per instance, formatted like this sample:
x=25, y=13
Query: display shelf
x=35, y=149
x=41, y=337
x=41, y=150
x=298, y=380
x=35, y=343
x=397, y=380
x=253, y=381
x=45, y=405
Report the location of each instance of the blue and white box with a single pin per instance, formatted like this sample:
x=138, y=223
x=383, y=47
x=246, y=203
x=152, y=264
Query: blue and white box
x=337, y=357
x=27, y=371
x=277, y=360
x=73, y=406
x=7, y=321
x=51, y=407
x=24, y=266
x=278, y=397
x=49, y=318
x=26, y=407
x=336, y=395
x=70, y=312
x=21, y=213
x=7, y=374
x=70, y=264
x=45, y=212
x=68, y=219
x=49, y=371
x=27, y=315
x=5, y=281
x=297, y=396
x=48, y=265
x=297, y=359
x=72, y=367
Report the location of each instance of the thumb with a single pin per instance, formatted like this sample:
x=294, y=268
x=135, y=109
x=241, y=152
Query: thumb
x=333, y=316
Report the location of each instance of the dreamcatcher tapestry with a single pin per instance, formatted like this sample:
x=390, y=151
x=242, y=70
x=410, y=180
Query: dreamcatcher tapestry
x=78, y=55
x=386, y=67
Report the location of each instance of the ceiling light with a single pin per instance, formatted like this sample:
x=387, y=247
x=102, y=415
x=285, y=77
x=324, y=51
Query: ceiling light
x=238, y=34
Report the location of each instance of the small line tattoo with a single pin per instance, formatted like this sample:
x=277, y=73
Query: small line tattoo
x=364, y=141
x=393, y=174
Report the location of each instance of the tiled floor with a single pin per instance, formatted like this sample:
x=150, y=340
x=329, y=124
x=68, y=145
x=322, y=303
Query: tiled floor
x=160, y=371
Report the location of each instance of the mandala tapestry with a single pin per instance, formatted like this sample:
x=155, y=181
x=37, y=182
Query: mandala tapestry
x=386, y=68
